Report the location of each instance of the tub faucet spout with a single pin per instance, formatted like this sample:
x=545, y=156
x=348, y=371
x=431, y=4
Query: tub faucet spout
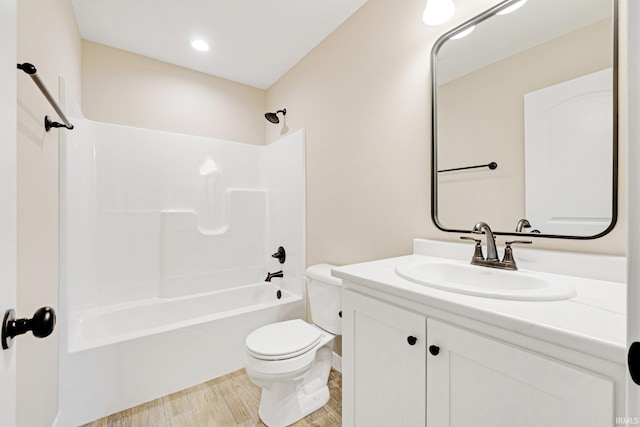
x=272, y=275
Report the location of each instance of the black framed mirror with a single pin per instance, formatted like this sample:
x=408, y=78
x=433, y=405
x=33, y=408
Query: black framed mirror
x=524, y=120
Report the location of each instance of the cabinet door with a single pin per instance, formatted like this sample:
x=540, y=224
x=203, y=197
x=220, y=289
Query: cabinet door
x=474, y=380
x=383, y=372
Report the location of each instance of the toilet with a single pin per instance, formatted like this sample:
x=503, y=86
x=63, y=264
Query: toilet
x=291, y=360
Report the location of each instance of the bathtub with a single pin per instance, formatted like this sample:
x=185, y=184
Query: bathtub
x=137, y=352
x=163, y=241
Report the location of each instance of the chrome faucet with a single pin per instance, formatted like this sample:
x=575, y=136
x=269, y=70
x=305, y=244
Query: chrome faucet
x=522, y=224
x=492, y=253
x=492, y=260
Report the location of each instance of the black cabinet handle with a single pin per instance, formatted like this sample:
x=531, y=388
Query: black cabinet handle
x=41, y=324
x=434, y=349
x=412, y=340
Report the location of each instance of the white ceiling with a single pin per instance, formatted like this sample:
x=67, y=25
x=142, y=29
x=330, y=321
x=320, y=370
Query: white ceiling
x=253, y=42
x=535, y=23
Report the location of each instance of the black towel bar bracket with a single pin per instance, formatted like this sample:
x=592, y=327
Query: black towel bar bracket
x=48, y=123
x=492, y=166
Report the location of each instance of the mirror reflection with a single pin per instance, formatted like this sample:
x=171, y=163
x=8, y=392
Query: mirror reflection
x=524, y=130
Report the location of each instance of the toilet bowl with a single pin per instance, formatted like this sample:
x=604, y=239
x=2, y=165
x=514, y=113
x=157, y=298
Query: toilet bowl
x=291, y=360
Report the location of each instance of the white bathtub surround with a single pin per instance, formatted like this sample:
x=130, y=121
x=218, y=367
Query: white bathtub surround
x=165, y=243
x=573, y=350
x=146, y=207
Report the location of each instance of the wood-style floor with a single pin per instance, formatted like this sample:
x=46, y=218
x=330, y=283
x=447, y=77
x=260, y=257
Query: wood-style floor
x=231, y=400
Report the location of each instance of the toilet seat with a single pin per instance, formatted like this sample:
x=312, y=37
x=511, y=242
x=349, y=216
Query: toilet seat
x=282, y=340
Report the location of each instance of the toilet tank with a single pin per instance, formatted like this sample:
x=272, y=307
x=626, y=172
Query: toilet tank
x=325, y=298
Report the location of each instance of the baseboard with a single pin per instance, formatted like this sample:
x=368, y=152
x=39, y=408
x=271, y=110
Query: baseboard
x=336, y=362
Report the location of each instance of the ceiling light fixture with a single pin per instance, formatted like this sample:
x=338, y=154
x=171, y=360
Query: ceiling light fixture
x=464, y=33
x=515, y=6
x=438, y=12
x=200, y=45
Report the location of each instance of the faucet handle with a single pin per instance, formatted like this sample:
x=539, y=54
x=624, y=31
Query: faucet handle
x=477, y=254
x=478, y=241
x=508, y=260
x=517, y=242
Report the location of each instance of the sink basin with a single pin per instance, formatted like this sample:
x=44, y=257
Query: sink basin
x=484, y=281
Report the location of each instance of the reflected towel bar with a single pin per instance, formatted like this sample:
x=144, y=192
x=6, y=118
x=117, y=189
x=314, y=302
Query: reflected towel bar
x=492, y=166
x=48, y=124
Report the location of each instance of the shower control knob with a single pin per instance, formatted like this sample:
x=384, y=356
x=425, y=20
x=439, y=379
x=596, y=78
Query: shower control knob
x=412, y=340
x=281, y=255
x=41, y=325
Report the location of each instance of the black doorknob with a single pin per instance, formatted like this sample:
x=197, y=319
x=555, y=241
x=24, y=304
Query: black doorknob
x=412, y=340
x=41, y=325
x=434, y=349
x=633, y=360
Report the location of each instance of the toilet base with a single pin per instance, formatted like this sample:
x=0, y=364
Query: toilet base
x=280, y=407
x=284, y=403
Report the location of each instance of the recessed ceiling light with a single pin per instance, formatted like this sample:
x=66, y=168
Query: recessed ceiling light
x=200, y=45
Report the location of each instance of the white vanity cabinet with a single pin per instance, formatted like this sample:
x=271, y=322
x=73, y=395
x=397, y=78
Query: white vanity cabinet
x=452, y=376
x=384, y=361
x=479, y=381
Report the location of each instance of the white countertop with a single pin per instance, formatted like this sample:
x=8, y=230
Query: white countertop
x=593, y=322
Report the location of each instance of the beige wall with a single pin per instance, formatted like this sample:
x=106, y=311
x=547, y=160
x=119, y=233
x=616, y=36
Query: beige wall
x=129, y=89
x=48, y=38
x=363, y=97
x=494, y=125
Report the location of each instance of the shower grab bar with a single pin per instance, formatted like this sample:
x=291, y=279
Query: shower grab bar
x=48, y=124
x=492, y=166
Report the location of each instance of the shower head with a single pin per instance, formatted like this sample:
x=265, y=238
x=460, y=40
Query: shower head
x=273, y=117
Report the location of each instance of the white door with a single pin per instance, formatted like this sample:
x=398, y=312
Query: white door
x=475, y=381
x=568, y=130
x=633, y=192
x=384, y=354
x=7, y=200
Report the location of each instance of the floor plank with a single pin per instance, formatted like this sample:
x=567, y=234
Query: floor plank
x=229, y=401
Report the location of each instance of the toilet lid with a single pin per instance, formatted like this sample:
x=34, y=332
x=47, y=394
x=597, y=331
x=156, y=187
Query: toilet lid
x=289, y=338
